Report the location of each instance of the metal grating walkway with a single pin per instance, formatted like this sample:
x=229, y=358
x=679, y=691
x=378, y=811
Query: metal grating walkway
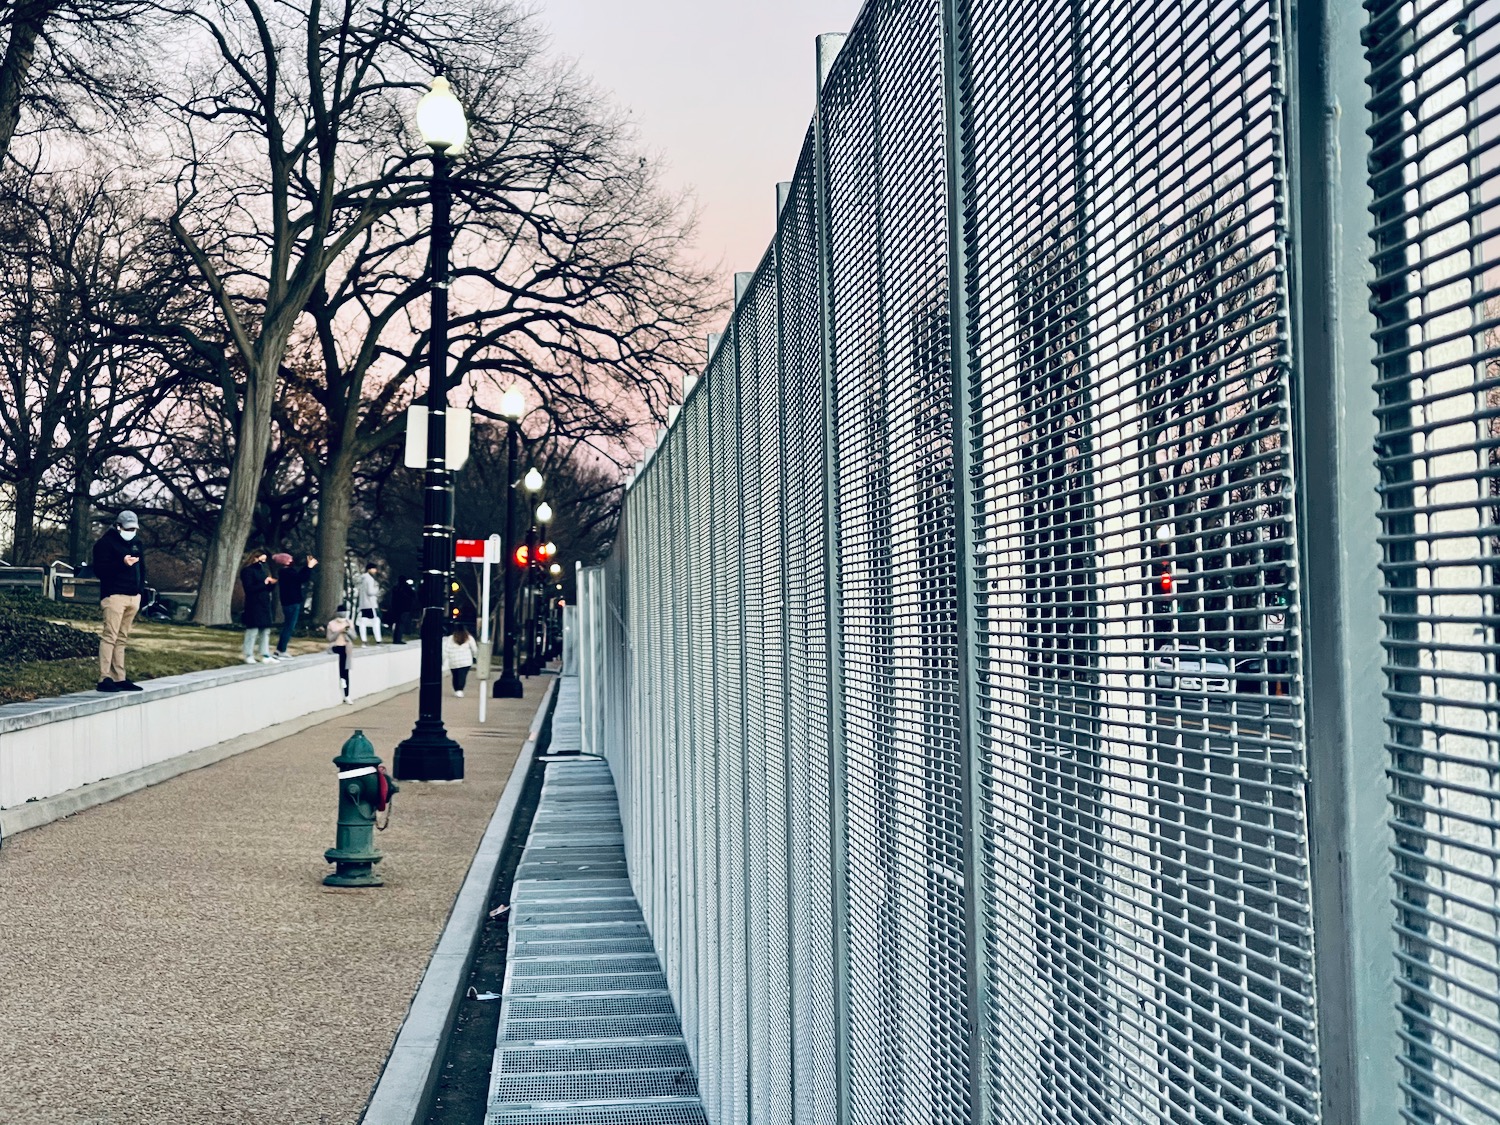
x=567, y=724
x=588, y=1032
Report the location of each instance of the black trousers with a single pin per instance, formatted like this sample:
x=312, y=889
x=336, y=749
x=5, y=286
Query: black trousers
x=460, y=677
x=343, y=651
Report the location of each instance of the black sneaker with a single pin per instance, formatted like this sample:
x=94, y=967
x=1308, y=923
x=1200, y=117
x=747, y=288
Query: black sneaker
x=107, y=685
x=126, y=685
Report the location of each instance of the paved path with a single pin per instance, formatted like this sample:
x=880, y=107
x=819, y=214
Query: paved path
x=172, y=958
x=588, y=1031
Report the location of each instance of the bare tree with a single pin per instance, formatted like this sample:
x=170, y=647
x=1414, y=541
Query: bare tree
x=293, y=142
x=568, y=276
x=62, y=56
x=75, y=380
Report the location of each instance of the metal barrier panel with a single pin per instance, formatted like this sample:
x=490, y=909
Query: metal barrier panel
x=704, y=1027
x=810, y=855
x=1434, y=67
x=673, y=563
x=883, y=115
x=1144, y=766
x=687, y=587
x=759, y=363
x=729, y=725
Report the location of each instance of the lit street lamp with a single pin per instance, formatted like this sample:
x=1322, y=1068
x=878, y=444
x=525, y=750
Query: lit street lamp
x=429, y=754
x=508, y=686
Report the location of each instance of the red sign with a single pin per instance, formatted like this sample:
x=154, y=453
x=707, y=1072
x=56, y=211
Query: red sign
x=469, y=549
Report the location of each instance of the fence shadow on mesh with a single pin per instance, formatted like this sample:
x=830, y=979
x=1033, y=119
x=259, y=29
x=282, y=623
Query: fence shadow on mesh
x=950, y=661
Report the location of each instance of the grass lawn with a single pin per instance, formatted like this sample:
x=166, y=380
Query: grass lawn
x=154, y=651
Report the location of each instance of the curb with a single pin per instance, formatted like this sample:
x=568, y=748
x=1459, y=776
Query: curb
x=34, y=814
x=403, y=1093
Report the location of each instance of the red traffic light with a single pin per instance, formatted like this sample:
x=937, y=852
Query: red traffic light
x=1164, y=580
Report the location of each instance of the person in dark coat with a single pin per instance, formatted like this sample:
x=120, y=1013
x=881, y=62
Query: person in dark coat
x=257, y=582
x=403, y=601
x=292, y=580
x=120, y=566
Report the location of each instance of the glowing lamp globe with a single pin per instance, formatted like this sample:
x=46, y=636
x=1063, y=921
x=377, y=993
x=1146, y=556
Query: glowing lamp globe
x=513, y=404
x=440, y=119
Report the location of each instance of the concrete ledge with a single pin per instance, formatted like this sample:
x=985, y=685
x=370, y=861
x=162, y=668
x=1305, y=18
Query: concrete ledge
x=34, y=814
x=404, y=1091
x=52, y=747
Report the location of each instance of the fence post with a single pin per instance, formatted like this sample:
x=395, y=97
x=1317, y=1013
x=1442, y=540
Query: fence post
x=827, y=52
x=1349, y=857
x=966, y=528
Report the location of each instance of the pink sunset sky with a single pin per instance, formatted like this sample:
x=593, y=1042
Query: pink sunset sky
x=722, y=91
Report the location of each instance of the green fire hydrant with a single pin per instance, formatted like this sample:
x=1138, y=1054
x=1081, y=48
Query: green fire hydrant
x=364, y=790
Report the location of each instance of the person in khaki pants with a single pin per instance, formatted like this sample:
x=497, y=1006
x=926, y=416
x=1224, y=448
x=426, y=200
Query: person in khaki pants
x=120, y=567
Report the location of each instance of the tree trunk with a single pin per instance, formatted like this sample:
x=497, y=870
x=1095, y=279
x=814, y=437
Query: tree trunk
x=23, y=542
x=26, y=24
x=226, y=547
x=80, y=520
x=335, y=513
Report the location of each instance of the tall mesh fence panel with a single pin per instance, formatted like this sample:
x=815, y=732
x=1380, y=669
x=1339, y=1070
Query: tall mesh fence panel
x=1434, y=68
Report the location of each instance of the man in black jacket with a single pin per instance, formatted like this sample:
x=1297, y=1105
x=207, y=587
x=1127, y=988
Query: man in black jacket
x=403, y=601
x=291, y=580
x=119, y=564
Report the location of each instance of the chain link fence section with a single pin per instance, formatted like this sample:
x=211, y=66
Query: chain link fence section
x=952, y=662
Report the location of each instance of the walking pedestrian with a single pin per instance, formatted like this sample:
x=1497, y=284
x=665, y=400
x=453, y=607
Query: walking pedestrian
x=340, y=630
x=292, y=580
x=459, y=654
x=120, y=566
x=257, y=582
x=369, y=604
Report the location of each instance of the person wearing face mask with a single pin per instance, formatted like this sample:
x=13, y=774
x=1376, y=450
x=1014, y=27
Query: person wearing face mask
x=120, y=566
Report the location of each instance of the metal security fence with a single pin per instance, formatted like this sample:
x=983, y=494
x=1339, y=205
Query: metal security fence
x=1435, y=91
x=991, y=657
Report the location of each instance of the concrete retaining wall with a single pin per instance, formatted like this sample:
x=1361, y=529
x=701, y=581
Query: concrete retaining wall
x=51, y=746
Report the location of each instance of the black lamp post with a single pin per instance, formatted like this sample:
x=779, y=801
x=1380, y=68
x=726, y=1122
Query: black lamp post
x=429, y=754
x=527, y=611
x=508, y=686
x=528, y=667
x=538, y=557
x=532, y=482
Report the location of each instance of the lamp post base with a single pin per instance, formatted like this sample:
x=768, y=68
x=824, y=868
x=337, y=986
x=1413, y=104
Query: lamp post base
x=428, y=755
x=508, y=687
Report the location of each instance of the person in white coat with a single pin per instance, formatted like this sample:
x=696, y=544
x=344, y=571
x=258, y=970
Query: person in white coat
x=369, y=605
x=459, y=654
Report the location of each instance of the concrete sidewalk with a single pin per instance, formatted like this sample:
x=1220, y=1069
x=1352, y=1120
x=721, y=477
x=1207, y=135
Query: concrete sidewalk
x=172, y=958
